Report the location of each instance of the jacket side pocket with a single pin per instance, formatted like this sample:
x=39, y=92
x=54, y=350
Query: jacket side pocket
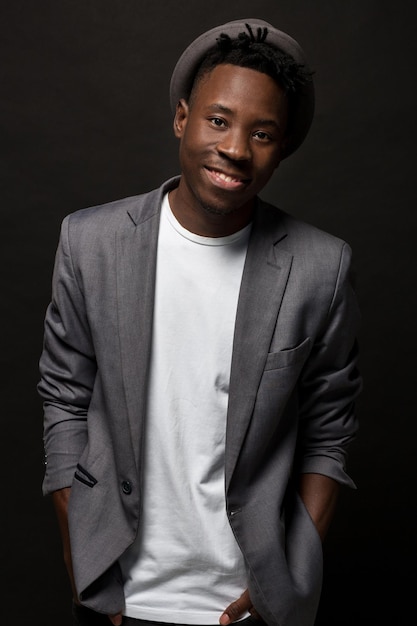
x=85, y=477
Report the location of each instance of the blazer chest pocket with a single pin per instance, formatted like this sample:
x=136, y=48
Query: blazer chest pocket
x=287, y=358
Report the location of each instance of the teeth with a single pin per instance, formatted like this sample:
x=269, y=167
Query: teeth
x=227, y=179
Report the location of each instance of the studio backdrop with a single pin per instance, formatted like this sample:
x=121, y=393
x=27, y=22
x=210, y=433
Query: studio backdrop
x=85, y=119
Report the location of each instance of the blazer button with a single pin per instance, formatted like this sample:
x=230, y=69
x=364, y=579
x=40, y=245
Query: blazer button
x=127, y=487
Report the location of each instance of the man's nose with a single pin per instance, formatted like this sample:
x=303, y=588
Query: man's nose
x=235, y=145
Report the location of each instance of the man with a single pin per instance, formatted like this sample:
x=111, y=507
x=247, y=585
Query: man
x=199, y=365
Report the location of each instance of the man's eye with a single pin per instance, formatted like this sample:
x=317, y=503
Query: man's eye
x=217, y=121
x=260, y=134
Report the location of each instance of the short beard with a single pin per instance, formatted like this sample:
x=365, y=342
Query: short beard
x=215, y=211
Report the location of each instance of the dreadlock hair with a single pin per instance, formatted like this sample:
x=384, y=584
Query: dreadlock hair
x=254, y=52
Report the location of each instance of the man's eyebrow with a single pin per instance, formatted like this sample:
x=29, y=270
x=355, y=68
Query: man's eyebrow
x=216, y=106
x=266, y=122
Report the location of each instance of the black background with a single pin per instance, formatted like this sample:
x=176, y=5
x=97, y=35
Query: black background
x=85, y=119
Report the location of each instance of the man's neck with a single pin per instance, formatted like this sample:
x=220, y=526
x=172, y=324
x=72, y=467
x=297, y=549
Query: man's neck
x=206, y=222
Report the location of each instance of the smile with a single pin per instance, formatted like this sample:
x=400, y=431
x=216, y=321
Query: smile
x=226, y=181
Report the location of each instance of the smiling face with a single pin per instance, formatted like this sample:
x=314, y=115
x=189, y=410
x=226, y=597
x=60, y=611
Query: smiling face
x=232, y=138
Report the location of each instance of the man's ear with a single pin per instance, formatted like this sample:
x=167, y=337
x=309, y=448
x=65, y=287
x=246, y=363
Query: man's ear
x=180, y=119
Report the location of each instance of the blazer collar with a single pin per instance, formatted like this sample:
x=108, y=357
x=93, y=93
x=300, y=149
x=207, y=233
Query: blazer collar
x=149, y=205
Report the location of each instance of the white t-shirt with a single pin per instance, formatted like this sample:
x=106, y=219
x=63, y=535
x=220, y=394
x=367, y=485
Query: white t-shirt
x=185, y=565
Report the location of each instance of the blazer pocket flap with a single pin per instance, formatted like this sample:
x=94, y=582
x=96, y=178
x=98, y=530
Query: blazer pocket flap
x=286, y=358
x=85, y=477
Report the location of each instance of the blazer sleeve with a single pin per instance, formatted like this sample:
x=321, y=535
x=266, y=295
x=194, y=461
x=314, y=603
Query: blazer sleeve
x=67, y=371
x=330, y=384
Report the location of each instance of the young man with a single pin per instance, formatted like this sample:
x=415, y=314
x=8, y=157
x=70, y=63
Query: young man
x=199, y=365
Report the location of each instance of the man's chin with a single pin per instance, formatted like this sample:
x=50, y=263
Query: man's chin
x=214, y=206
x=219, y=210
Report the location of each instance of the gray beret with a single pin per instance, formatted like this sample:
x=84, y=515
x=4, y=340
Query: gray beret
x=302, y=109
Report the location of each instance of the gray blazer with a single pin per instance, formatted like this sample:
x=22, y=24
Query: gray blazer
x=291, y=401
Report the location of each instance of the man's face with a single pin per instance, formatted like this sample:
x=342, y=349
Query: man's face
x=232, y=137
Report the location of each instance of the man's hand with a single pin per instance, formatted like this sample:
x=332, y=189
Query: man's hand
x=236, y=609
x=117, y=619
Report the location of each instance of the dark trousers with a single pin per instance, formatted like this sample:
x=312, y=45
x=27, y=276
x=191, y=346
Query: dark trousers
x=82, y=616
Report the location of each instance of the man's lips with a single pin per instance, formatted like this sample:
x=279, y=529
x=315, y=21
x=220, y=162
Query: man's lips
x=226, y=180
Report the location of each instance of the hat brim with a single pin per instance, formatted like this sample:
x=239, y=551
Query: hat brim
x=182, y=78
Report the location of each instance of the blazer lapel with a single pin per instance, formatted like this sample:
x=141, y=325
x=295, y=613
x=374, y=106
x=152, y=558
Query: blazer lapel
x=136, y=247
x=263, y=284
